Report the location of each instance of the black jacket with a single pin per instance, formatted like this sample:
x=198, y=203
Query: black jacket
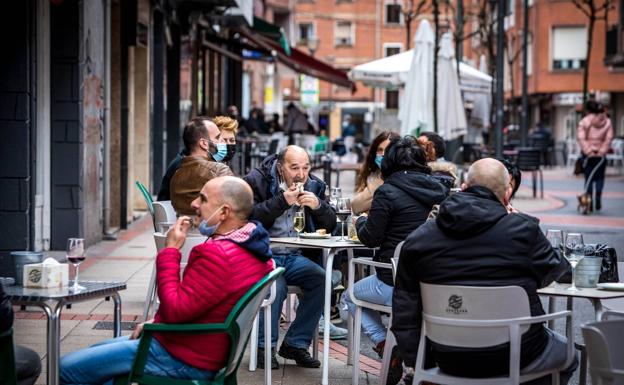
x=473, y=242
x=399, y=206
x=269, y=202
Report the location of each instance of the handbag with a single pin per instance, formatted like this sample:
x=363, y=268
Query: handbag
x=578, y=166
x=609, y=268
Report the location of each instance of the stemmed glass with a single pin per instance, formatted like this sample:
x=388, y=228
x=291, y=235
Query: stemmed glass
x=555, y=237
x=574, y=252
x=299, y=223
x=75, y=255
x=343, y=210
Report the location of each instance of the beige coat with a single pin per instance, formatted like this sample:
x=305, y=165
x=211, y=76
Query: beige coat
x=361, y=202
x=189, y=179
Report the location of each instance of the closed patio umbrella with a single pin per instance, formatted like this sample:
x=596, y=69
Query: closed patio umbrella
x=451, y=113
x=416, y=109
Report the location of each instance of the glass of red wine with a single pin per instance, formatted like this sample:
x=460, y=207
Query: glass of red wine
x=75, y=255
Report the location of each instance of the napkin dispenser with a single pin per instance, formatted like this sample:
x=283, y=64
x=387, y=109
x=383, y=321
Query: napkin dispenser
x=49, y=273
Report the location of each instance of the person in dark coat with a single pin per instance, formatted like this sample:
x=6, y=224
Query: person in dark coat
x=277, y=197
x=399, y=206
x=474, y=241
x=27, y=361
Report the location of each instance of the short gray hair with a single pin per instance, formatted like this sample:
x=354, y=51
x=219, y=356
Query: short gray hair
x=237, y=193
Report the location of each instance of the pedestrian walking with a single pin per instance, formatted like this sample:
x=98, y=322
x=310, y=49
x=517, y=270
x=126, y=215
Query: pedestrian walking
x=595, y=133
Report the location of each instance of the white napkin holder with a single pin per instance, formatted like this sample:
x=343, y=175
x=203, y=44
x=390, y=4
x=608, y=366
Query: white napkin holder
x=49, y=273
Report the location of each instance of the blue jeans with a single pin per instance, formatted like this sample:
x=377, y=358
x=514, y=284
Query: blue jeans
x=553, y=355
x=371, y=289
x=102, y=362
x=310, y=277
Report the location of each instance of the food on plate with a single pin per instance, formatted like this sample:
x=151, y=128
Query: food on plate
x=321, y=231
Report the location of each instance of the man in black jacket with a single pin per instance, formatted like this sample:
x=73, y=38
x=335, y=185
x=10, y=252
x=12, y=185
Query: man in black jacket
x=475, y=242
x=27, y=362
x=276, y=185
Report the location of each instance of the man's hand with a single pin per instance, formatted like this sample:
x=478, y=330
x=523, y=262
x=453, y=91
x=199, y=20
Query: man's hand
x=177, y=234
x=307, y=198
x=291, y=195
x=136, y=333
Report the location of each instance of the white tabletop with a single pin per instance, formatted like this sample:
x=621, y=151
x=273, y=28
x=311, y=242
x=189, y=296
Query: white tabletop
x=328, y=243
x=559, y=290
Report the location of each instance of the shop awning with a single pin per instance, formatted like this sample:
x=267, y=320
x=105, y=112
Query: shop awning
x=297, y=60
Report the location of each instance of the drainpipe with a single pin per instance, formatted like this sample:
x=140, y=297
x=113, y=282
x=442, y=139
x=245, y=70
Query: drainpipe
x=107, y=118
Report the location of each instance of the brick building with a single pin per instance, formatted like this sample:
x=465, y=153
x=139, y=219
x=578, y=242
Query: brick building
x=557, y=51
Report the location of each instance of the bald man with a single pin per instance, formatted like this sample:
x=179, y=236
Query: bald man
x=475, y=242
x=219, y=272
x=282, y=185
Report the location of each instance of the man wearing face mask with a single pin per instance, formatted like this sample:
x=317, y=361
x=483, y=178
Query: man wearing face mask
x=206, y=150
x=228, y=128
x=276, y=200
x=219, y=272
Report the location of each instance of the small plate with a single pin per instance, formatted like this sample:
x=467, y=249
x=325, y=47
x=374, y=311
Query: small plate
x=315, y=236
x=614, y=286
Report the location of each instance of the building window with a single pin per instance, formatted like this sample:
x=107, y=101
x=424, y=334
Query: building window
x=344, y=34
x=393, y=13
x=392, y=48
x=306, y=31
x=569, y=46
x=392, y=99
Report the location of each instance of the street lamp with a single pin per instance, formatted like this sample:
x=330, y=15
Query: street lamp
x=313, y=44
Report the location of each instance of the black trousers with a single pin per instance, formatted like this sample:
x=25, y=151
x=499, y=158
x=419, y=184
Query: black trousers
x=594, y=169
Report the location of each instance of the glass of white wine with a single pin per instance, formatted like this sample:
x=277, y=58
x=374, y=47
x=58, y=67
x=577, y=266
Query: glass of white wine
x=574, y=252
x=299, y=223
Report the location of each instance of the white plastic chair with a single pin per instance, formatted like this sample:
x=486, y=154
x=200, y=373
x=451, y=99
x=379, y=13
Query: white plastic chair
x=605, y=351
x=618, y=154
x=253, y=356
x=355, y=324
x=159, y=239
x=492, y=316
x=163, y=213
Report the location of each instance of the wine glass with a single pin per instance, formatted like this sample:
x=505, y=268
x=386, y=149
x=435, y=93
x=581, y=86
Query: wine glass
x=75, y=255
x=299, y=223
x=343, y=210
x=574, y=252
x=555, y=237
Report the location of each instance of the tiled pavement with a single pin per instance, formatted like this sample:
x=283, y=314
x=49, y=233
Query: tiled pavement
x=130, y=259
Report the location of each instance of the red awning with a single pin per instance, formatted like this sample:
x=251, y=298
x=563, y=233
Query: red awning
x=299, y=61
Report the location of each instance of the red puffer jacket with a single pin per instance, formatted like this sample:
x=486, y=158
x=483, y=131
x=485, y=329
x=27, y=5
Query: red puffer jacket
x=218, y=274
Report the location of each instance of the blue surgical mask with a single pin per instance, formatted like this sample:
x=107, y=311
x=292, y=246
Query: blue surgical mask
x=207, y=230
x=378, y=160
x=221, y=153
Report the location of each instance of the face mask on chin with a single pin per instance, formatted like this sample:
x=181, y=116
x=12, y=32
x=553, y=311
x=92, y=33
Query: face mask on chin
x=207, y=230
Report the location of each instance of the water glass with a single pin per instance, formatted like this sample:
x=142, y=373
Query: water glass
x=574, y=252
x=555, y=237
x=335, y=194
x=75, y=255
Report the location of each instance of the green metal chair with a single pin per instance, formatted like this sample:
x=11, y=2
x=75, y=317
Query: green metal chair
x=237, y=326
x=148, y=200
x=8, y=375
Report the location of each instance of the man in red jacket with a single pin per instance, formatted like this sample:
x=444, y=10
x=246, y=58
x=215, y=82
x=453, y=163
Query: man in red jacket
x=219, y=272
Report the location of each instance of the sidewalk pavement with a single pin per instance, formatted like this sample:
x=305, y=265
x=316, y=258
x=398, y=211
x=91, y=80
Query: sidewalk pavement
x=130, y=259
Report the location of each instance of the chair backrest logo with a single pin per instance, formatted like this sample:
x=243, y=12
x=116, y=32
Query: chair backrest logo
x=455, y=304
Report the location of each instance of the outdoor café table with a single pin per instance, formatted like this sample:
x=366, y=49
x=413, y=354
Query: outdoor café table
x=330, y=247
x=53, y=300
x=595, y=296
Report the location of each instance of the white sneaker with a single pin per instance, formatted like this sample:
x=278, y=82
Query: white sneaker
x=335, y=332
